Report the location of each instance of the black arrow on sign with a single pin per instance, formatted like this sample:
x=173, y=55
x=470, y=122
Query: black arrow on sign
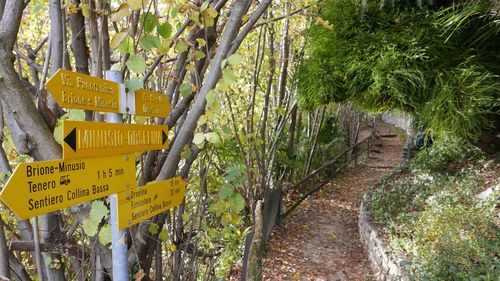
x=163, y=138
x=70, y=139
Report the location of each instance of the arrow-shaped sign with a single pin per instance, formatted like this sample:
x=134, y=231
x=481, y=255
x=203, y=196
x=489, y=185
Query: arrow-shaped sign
x=141, y=203
x=94, y=139
x=42, y=187
x=154, y=104
x=81, y=91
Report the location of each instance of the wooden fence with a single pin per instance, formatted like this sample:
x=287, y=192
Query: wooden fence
x=269, y=212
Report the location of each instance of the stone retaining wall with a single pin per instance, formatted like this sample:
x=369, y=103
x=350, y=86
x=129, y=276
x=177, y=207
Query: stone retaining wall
x=385, y=264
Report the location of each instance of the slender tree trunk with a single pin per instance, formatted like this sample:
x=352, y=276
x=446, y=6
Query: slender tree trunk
x=56, y=58
x=5, y=168
x=186, y=132
x=285, y=51
x=313, y=149
x=4, y=253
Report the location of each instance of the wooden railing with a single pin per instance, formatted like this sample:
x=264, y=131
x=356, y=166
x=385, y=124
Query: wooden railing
x=268, y=212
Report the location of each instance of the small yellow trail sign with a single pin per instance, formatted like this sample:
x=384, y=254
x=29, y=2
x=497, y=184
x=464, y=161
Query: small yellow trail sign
x=140, y=203
x=42, y=187
x=94, y=139
x=153, y=104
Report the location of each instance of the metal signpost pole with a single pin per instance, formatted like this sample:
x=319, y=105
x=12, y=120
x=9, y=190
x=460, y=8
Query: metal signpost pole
x=118, y=244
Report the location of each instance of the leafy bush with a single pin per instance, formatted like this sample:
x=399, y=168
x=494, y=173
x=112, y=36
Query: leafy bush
x=448, y=153
x=433, y=63
x=437, y=219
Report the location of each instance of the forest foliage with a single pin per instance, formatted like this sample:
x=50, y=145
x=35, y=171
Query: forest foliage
x=436, y=60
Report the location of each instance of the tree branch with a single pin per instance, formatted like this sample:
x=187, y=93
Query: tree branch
x=9, y=25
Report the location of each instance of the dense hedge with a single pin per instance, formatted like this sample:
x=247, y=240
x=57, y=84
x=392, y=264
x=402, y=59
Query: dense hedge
x=440, y=64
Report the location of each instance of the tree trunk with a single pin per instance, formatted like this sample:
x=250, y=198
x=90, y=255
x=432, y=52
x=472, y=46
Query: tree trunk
x=4, y=253
x=254, y=263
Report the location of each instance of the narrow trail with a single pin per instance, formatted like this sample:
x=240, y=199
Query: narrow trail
x=320, y=240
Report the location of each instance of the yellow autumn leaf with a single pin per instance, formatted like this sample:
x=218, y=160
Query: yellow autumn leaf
x=164, y=47
x=140, y=120
x=72, y=7
x=326, y=24
x=139, y=275
x=136, y=4
x=211, y=12
x=85, y=10
x=118, y=39
x=120, y=13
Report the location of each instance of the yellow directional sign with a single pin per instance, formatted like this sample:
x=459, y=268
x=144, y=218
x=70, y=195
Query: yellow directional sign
x=153, y=104
x=94, y=139
x=80, y=91
x=42, y=187
x=141, y=203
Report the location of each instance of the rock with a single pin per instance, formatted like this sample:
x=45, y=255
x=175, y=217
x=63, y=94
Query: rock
x=485, y=194
x=489, y=164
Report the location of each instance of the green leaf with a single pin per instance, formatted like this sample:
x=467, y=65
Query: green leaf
x=199, y=55
x=149, y=42
x=134, y=84
x=116, y=66
x=127, y=46
x=105, y=236
x=219, y=207
x=234, y=173
x=174, y=12
x=185, y=89
x=211, y=12
x=181, y=46
x=208, y=20
x=153, y=228
x=228, y=76
x=163, y=235
x=185, y=216
x=149, y=21
x=226, y=192
x=76, y=114
x=90, y=223
x=164, y=29
x=237, y=202
x=203, y=120
x=235, y=59
x=204, y=6
x=136, y=63
x=201, y=42
x=212, y=138
x=98, y=211
x=211, y=98
x=199, y=138
x=195, y=17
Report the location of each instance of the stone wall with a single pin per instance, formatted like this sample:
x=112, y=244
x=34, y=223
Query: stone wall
x=385, y=264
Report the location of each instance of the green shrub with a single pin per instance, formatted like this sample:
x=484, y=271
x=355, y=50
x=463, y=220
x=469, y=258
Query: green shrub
x=448, y=153
x=438, y=220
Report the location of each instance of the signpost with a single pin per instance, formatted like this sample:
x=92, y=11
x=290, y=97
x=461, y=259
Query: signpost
x=42, y=187
x=45, y=186
x=148, y=103
x=141, y=203
x=93, y=139
x=80, y=91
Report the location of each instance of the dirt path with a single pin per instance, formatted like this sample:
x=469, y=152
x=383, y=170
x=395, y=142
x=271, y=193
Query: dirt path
x=320, y=240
